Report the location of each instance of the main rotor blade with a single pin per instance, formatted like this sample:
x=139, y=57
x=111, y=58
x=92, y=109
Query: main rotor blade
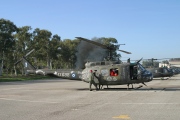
x=139, y=60
x=93, y=42
x=101, y=45
x=158, y=59
x=125, y=51
x=29, y=53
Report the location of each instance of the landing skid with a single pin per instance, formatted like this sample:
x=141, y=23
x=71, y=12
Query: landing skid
x=144, y=84
x=138, y=87
x=128, y=86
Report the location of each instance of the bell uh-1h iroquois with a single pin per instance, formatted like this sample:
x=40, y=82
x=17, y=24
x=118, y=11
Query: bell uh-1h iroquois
x=115, y=72
x=105, y=72
x=159, y=71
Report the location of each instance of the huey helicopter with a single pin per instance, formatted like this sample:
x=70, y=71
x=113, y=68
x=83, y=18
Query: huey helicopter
x=159, y=71
x=106, y=72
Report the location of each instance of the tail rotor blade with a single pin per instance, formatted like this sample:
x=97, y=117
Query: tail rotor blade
x=18, y=62
x=24, y=57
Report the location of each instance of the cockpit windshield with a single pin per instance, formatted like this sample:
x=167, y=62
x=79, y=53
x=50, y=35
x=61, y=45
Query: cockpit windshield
x=141, y=68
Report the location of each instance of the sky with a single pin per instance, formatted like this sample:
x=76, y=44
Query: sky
x=148, y=28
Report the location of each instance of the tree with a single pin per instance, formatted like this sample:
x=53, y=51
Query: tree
x=150, y=63
x=68, y=52
x=50, y=51
x=41, y=43
x=7, y=41
x=55, y=49
x=165, y=62
x=111, y=42
x=23, y=44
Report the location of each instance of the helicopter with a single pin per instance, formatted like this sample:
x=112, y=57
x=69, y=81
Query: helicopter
x=106, y=72
x=159, y=71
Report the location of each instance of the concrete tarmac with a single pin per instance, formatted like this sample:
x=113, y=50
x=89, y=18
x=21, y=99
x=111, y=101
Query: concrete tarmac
x=60, y=99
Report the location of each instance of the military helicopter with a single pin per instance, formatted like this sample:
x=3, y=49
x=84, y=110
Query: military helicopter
x=107, y=72
x=159, y=71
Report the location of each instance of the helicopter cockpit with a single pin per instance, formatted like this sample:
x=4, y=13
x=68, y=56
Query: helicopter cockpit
x=141, y=69
x=136, y=70
x=143, y=73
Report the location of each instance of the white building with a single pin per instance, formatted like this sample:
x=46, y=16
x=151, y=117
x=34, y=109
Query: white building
x=164, y=65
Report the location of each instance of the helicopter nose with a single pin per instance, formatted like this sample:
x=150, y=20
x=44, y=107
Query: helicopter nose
x=151, y=76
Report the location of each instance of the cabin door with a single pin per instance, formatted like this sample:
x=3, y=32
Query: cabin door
x=125, y=73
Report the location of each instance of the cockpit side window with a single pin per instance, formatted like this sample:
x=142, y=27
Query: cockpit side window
x=141, y=67
x=114, y=72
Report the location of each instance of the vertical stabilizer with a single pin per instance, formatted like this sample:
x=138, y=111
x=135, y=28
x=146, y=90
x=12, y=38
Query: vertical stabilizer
x=27, y=65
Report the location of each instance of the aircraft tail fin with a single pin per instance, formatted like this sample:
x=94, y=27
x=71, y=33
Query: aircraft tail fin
x=27, y=64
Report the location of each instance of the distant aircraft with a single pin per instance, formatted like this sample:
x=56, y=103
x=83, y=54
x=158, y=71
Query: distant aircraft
x=159, y=71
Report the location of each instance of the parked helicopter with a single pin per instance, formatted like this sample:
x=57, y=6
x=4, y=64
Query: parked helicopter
x=106, y=72
x=159, y=71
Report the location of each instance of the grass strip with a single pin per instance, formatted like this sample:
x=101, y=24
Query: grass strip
x=23, y=78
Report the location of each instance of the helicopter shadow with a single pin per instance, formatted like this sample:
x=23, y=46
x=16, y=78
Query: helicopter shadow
x=161, y=78
x=159, y=89
x=169, y=78
x=134, y=89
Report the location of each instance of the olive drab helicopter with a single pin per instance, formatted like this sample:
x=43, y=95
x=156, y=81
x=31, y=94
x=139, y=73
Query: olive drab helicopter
x=159, y=71
x=106, y=72
x=115, y=72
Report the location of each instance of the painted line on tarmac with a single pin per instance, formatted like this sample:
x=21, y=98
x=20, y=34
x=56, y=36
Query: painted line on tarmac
x=90, y=103
x=150, y=103
x=27, y=101
x=135, y=103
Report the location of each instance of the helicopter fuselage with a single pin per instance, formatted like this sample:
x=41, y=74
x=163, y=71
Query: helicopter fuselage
x=116, y=74
x=160, y=72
